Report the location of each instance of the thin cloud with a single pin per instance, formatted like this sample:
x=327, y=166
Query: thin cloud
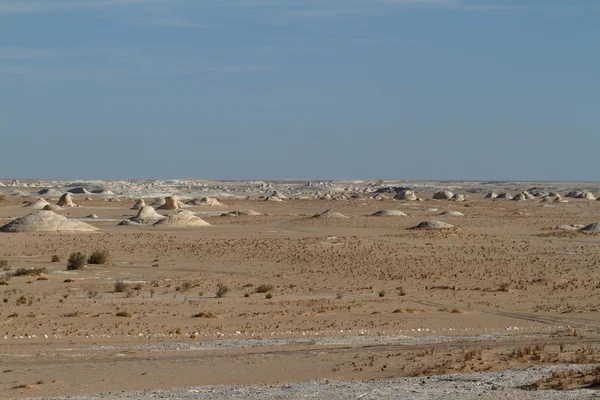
x=23, y=53
x=171, y=22
x=8, y=7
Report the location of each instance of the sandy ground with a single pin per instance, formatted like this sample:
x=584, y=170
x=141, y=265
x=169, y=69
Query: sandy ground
x=356, y=299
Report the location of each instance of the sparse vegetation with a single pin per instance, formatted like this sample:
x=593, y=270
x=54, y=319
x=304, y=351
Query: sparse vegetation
x=222, y=290
x=381, y=293
x=55, y=258
x=120, y=286
x=4, y=265
x=99, y=257
x=269, y=296
x=264, y=288
x=76, y=261
x=29, y=272
x=204, y=315
x=124, y=314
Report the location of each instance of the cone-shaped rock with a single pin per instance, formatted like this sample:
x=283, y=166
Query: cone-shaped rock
x=146, y=215
x=39, y=204
x=443, y=195
x=181, y=220
x=329, y=214
x=452, y=213
x=171, y=203
x=433, y=225
x=205, y=201
x=244, y=213
x=389, y=213
x=138, y=204
x=407, y=195
x=65, y=201
x=591, y=228
x=46, y=221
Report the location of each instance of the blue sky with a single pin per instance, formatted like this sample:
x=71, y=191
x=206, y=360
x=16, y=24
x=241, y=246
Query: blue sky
x=317, y=89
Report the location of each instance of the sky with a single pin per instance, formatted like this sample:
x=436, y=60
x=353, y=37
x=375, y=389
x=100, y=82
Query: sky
x=305, y=89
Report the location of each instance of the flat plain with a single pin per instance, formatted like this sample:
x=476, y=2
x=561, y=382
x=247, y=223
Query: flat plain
x=283, y=298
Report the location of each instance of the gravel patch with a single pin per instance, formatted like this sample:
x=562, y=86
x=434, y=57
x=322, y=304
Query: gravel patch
x=490, y=385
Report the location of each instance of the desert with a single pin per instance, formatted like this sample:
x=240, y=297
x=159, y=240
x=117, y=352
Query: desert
x=339, y=289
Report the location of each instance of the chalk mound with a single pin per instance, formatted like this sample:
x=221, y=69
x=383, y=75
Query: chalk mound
x=66, y=201
x=49, y=192
x=568, y=227
x=205, y=201
x=171, y=203
x=586, y=196
x=38, y=204
x=452, y=213
x=329, y=214
x=104, y=192
x=274, y=199
x=46, y=221
x=92, y=216
x=52, y=207
x=279, y=195
x=139, y=204
x=145, y=216
x=79, y=190
x=520, y=197
x=433, y=225
x=505, y=195
x=458, y=197
x=594, y=227
x=389, y=213
x=181, y=220
x=491, y=195
x=159, y=202
x=407, y=195
x=242, y=213
x=443, y=195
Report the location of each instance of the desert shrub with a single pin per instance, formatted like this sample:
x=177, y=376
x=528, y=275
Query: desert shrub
x=504, y=287
x=76, y=261
x=222, y=290
x=99, y=257
x=124, y=314
x=120, y=286
x=21, y=300
x=269, y=296
x=185, y=286
x=55, y=258
x=4, y=265
x=339, y=295
x=264, y=288
x=204, y=315
x=29, y=272
x=381, y=293
x=92, y=294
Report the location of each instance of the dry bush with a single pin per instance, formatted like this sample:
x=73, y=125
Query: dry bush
x=222, y=290
x=76, y=261
x=21, y=300
x=124, y=314
x=185, y=286
x=99, y=257
x=269, y=296
x=4, y=265
x=29, y=272
x=55, y=258
x=568, y=380
x=120, y=286
x=204, y=315
x=264, y=288
x=381, y=293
